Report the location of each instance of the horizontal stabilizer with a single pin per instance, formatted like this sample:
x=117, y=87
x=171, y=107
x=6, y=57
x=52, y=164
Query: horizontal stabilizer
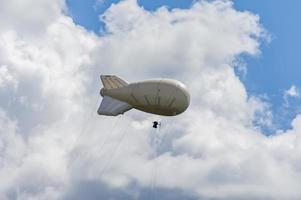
x=112, y=107
x=112, y=81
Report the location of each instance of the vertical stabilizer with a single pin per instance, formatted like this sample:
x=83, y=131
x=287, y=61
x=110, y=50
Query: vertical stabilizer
x=112, y=81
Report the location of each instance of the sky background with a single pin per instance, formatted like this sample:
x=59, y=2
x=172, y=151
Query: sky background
x=240, y=138
x=270, y=74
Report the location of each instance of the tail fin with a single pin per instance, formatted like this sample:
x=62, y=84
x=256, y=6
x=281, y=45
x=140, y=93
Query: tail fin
x=112, y=81
x=112, y=107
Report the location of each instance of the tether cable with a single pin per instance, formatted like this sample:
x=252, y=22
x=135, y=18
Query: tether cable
x=108, y=164
x=83, y=130
x=159, y=138
x=107, y=138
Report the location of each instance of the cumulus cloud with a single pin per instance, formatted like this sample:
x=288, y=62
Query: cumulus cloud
x=53, y=146
x=292, y=91
x=30, y=17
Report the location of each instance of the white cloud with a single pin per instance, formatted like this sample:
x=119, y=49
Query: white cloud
x=51, y=146
x=31, y=17
x=292, y=92
x=6, y=78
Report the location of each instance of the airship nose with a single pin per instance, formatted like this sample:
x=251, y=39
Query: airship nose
x=184, y=90
x=187, y=99
x=184, y=97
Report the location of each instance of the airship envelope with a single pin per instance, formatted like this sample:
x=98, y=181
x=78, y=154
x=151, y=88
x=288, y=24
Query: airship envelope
x=166, y=97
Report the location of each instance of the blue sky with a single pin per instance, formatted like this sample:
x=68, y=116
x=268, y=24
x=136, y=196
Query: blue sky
x=279, y=66
x=275, y=70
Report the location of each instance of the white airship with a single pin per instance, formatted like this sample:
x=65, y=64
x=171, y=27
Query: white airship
x=166, y=97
